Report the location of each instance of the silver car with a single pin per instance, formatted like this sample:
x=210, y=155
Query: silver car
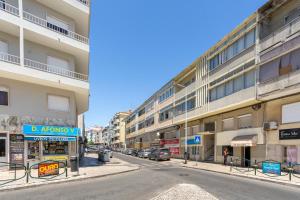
x=144, y=153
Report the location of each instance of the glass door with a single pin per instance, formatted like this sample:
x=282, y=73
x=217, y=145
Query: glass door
x=3, y=147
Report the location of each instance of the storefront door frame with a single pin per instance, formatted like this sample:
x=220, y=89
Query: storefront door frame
x=6, y=138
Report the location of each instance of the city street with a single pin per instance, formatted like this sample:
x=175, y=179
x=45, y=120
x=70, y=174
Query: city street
x=155, y=178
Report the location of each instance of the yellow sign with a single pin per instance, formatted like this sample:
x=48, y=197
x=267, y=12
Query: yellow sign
x=64, y=157
x=48, y=169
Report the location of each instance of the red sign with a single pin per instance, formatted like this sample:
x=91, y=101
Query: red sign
x=48, y=169
x=174, y=150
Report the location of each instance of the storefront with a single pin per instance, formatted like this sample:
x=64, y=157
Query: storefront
x=172, y=144
x=49, y=142
x=194, y=148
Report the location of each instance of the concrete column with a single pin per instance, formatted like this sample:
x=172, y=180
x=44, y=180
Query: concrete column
x=21, y=39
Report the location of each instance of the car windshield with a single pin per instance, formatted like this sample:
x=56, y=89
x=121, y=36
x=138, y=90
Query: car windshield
x=165, y=150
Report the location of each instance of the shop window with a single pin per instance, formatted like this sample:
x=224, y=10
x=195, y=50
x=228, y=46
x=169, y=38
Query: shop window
x=228, y=124
x=58, y=103
x=245, y=121
x=33, y=150
x=3, y=96
x=55, y=148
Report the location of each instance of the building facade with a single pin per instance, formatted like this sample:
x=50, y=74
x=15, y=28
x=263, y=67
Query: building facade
x=94, y=135
x=241, y=95
x=44, y=58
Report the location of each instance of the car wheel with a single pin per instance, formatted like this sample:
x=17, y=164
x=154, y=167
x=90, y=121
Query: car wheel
x=156, y=159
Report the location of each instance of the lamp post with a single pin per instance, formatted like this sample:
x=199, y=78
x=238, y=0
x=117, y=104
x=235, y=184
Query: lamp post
x=186, y=123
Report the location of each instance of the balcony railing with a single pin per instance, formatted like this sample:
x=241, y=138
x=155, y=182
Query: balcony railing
x=85, y=2
x=190, y=88
x=9, y=8
x=279, y=83
x=44, y=23
x=54, y=70
x=281, y=34
x=9, y=58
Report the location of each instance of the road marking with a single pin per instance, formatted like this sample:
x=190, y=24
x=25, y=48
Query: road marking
x=185, y=192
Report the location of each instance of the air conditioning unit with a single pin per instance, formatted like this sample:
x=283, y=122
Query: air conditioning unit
x=270, y=126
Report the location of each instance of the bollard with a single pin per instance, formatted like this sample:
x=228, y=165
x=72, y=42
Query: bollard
x=27, y=173
x=231, y=164
x=15, y=171
x=66, y=168
x=255, y=167
x=290, y=171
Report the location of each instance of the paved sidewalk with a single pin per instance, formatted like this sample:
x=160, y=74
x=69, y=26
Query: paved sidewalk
x=90, y=168
x=238, y=171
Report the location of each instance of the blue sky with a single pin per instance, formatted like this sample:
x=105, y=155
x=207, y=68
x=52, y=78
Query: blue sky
x=139, y=45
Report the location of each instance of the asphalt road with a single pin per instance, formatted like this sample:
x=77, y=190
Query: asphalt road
x=152, y=179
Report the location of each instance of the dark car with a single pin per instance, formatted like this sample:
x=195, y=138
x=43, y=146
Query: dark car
x=129, y=151
x=160, y=154
x=134, y=152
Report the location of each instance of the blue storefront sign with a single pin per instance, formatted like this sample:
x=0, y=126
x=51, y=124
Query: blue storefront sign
x=271, y=167
x=193, y=141
x=40, y=130
x=197, y=139
x=50, y=138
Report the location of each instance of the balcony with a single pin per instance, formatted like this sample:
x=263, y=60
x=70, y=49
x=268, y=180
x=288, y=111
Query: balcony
x=9, y=58
x=281, y=86
x=9, y=8
x=281, y=35
x=84, y=2
x=43, y=23
x=181, y=94
x=54, y=70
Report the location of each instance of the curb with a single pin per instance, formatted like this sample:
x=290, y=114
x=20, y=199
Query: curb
x=242, y=176
x=65, y=181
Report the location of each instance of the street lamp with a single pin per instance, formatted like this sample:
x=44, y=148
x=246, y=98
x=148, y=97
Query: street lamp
x=186, y=121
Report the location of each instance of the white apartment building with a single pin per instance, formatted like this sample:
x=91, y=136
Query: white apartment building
x=94, y=135
x=44, y=59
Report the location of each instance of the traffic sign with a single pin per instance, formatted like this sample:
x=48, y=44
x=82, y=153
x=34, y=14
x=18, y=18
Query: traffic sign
x=197, y=139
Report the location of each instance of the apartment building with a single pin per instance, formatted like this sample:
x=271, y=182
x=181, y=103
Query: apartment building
x=94, y=135
x=241, y=95
x=278, y=80
x=44, y=59
x=116, y=130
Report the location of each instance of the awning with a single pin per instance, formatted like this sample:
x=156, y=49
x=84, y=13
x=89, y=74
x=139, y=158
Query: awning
x=244, y=141
x=50, y=138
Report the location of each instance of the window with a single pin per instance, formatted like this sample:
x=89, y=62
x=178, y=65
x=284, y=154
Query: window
x=3, y=47
x=238, y=83
x=3, y=96
x=55, y=148
x=149, y=121
x=58, y=103
x=141, y=125
x=141, y=112
x=250, y=39
x=234, y=49
x=245, y=121
x=57, y=25
x=290, y=113
x=229, y=88
x=213, y=94
x=249, y=79
x=220, y=91
x=166, y=113
x=209, y=127
x=57, y=62
x=166, y=94
x=228, y=124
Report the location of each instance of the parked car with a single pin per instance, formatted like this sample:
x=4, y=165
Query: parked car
x=129, y=151
x=160, y=154
x=134, y=152
x=144, y=153
x=92, y=149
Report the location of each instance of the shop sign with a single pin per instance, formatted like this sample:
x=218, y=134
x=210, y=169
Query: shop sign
x=16, y=149
x=289, y=134
x=197, y=139
x=48, y=169
x=50, y=130
x=174, y=150
x=271, y=167
x=59, y=158
x=170, y=143
x=50, y=138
